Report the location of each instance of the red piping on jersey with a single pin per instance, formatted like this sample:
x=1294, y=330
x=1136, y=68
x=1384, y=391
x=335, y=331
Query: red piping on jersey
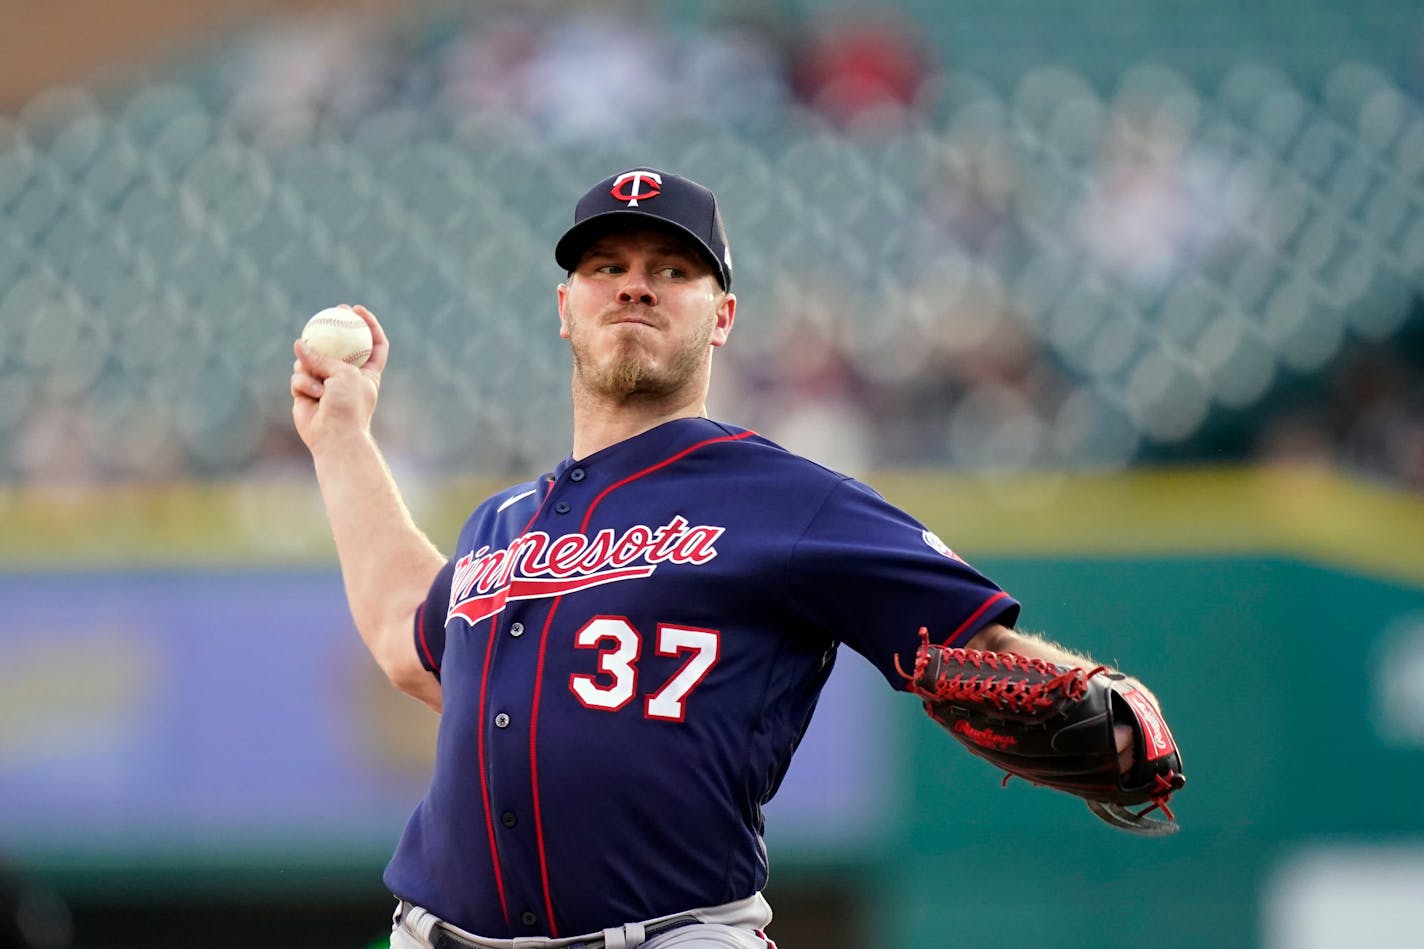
x=425, y=646
x=975, y=615
x=484, y=775
x=662, y=464
x=534, y=771
x=539, y=671
x=480, y=745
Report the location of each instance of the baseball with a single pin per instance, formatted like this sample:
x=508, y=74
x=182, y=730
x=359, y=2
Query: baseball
x=339, y=332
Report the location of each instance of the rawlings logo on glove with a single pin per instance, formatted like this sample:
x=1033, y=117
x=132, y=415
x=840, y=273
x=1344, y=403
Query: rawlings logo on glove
x=982, y=736
x=1054, y=726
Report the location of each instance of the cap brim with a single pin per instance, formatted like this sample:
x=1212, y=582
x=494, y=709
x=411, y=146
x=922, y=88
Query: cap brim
x=570, y=249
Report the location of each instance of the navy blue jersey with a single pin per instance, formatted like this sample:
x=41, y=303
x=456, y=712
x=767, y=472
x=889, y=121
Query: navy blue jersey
x=630, y=649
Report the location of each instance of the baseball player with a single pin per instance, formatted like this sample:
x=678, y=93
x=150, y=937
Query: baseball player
x=625, y=650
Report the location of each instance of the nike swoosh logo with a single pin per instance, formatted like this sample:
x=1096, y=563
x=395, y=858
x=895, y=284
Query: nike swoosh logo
x=508, y=501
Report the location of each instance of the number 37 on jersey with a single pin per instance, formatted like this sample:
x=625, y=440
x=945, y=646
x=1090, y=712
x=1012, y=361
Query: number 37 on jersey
x=620, y=647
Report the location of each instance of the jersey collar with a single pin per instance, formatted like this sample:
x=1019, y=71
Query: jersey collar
x=649, y=447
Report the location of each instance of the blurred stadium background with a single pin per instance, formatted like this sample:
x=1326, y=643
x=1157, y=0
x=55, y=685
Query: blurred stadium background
x=1126, y=299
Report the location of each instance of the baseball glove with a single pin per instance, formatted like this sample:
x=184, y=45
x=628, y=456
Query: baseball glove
x=1053, y=726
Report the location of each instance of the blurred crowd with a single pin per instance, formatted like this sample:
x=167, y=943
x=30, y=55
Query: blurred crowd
x=591, y=72
x=995, y=279
x=1367, y=417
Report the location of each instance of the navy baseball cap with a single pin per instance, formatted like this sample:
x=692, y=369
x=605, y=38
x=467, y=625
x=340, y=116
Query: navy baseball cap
x=651, y=197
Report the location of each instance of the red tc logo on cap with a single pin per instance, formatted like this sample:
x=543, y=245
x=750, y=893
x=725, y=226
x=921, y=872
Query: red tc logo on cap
x=632, y=185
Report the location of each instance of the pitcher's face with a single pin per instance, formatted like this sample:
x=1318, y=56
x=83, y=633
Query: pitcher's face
x=642, y=313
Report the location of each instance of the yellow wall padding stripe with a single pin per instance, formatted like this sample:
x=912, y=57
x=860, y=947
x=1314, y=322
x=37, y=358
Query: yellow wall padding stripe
x=1317, y=515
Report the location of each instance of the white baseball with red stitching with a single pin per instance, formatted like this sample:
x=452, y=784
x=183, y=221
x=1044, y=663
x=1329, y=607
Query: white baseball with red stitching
x=339, y=333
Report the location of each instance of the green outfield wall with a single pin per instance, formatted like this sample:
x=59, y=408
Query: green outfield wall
x=1275, y=675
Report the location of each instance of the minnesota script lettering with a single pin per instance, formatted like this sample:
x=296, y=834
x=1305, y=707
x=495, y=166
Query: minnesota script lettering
x=536, y=565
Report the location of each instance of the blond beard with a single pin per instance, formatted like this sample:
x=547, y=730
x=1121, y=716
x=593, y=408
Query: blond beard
x=630, y=373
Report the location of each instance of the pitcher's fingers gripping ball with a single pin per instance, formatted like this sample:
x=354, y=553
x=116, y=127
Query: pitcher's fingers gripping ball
x=341, y=334
x=1053, y=726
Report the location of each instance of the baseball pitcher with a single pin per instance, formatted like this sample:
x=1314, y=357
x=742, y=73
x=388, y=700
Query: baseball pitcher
x=626, y=650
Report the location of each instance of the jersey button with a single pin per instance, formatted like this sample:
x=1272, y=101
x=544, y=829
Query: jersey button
x=501, y=720
x=516, y=629
x=528, y=918
x=562, y=507
x=508, y=819
x=576, y=475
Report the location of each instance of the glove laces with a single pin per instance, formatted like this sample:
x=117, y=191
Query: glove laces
x=1015, y=694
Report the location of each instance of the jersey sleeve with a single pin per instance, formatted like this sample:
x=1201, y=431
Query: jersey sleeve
x=871, y=575
x=430, y=621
